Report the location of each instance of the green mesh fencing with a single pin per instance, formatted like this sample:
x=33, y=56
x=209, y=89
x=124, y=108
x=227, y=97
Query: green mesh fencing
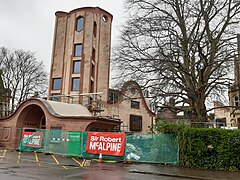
x=150, y=148
x=27, y=143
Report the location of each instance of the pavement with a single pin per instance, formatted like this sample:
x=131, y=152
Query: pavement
x=31, y=165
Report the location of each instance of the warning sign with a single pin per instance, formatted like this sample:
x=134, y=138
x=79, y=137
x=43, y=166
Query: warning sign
x=106, y=143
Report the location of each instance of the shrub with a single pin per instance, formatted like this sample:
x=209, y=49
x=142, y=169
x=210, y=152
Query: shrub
x=207, y=148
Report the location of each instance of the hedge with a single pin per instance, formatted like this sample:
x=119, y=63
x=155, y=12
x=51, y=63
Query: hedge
x=208, y=148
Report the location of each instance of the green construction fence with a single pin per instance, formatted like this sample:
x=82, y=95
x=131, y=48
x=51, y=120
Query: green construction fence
x=145, y=148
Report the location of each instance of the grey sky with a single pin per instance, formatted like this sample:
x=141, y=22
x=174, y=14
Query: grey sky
x=29, y=24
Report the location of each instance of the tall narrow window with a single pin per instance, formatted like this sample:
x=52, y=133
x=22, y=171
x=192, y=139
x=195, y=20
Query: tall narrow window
x=135, y=123
x=92, y=87
x=236, y=103
x=78, y=50
x=93, y=70
x=56, y=83
x=93, y=54
x=80, y=23
x=95, y=29
x=75, y=84
x=76, y=67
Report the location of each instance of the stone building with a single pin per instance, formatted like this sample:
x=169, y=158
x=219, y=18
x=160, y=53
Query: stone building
x=234, y=91
x=80, y=64
x=222, y=115
x=130, y=106
x=81, y=53
x=230, y=116
x=80, y=70
x=79, y=98
x=5, y=95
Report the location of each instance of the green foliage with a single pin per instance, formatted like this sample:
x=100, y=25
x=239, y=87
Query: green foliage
x=204, y=147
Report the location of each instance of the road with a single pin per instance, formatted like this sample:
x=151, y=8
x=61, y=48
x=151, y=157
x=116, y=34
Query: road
x=30, y=165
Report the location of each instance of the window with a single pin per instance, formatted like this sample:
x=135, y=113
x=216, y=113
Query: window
x=93, y=54
x=80, y=23
x=236, y=101
x=75, y=84
x=135, y=104
x=56, y=83
x=78, y=50
x=95, y=29
x=113, y=97
x=55, y=97
x=93, y=70
x=92, y=87
x=76, y=67
x=135, y=123
x=105, y=18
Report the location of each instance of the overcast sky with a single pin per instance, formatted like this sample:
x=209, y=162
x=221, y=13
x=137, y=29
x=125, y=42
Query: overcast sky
x=29, y=24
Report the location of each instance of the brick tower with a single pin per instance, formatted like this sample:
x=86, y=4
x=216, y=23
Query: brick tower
x=81, y=54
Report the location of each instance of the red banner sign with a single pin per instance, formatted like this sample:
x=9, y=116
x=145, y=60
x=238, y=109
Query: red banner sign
x=32, y=139
x=106, y=143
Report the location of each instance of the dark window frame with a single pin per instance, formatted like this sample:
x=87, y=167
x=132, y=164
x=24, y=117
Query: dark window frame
x=113, y=97
x=135, y=123
x=93, y=54
x=94, y=29
x=75, y=69
x=80, y=23
x=236, y=101
x=78, y=52
x=135, y=104
x=78, y=87
x=93, y=71
x=55, y=85
x=92, y=86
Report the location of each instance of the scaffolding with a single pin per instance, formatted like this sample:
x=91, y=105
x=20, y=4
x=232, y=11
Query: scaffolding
x=92, y=101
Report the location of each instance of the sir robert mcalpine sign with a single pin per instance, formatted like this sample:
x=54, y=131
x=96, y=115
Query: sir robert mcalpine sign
x=106, y=143
x=32, y=139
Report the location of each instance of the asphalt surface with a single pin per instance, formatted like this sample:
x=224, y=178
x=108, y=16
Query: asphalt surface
x=30, y=165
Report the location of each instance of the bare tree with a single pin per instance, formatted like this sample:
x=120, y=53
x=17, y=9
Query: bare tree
x=179, y=48
x=22, y=74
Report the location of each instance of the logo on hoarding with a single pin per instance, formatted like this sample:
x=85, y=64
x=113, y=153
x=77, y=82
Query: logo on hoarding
x=32, y=139
x=106, y=143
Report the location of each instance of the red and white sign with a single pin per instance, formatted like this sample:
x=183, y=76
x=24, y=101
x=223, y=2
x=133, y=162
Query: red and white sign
x=106, y=143
x=35, y=139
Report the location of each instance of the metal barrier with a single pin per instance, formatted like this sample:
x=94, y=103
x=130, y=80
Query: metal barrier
x=150, y=148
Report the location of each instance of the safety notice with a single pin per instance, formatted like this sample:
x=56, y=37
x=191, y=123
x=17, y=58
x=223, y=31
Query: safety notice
x=106, y=143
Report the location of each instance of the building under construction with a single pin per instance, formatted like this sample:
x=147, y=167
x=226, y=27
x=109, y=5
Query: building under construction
x=79, y=98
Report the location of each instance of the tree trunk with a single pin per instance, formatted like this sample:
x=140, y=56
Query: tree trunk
x=198, y=108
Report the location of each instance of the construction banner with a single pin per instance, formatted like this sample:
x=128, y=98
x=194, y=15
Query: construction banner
x=106, y=143
x=32, y=139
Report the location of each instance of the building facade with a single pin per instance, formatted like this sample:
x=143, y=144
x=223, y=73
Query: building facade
x=79, y=82
x=81, y=54
x=234, y=91
x=130, y=106
x=80, y=70
x=230, y=116
x=5, y=95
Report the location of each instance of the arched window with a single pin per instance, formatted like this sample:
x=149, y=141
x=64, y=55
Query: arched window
x=80, y=23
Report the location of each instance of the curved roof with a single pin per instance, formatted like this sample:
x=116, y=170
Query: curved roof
x=138, y=88
x=65, y=109
x=96, y=9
